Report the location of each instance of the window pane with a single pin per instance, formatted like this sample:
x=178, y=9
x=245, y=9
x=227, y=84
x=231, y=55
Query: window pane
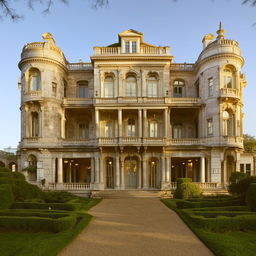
x=153, y=129
x=109, y=130
x=134, y=46
x=130, y=89
x=210, y=87
x=109, y=87
x=152, y=87
x=127, y=46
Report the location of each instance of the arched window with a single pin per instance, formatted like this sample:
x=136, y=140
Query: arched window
x=131, y=128
x=32, y=161
x=228, y=123
x=228, y=78
x=34, y=124
x=152, y=86
x=153, y=129
x=130, y=86
x=178, y=88
x=83, y=91
x=34, y=79
x=109, y=87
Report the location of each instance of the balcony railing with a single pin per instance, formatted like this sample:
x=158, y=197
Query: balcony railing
x=229, y=92
x=79, y=142
x=69, y=186
x=181, y=67
x=77, y=102
x=144, y=50
x=80, y=66
x=202, y=185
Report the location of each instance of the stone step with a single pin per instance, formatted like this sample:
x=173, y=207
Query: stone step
x=127, y=193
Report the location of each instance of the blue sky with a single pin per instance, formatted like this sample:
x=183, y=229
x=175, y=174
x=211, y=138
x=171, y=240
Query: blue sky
x=77, y=28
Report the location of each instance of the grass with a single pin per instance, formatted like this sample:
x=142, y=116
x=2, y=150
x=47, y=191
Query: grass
x=221, y=244
x=42, y=243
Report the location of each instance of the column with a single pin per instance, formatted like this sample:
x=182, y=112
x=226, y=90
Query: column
x=145, y=173
x=145, y=123
x=117, y=172
x=92, y=171
x=60, y=170
x=96, y=169
x=168, y=169
x=202, y=169
x=120, y=122
x=165, y=122
x=140, y=175
x=122, y=173
x=63, y=124
x=97, y=123
x=101, y=170
x=163, y=169
x=140, y=122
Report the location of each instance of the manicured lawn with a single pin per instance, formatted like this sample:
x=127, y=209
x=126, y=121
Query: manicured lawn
x=42, y=243
x=236, y=243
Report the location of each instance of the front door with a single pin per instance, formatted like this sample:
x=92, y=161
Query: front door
x=131, y=171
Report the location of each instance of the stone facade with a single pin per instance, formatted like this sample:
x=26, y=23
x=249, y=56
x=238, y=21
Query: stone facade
x=131, y=118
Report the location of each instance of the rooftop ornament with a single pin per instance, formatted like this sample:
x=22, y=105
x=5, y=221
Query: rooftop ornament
x=48, y=37
x=220, y=32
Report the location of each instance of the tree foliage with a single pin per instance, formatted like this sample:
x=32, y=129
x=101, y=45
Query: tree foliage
x=249, y=143
x=7, y=9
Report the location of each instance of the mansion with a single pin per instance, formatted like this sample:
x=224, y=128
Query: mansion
x=131, y=118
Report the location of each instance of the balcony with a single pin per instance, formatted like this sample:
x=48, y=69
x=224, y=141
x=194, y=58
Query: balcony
x=144, y=50
x=32, y=96
x=79, y=142
x=80, y=66
x=183, y=101
x=77, y=102
x=130, y=100
x=229, y=93
x=186, y=142
x=181, y=67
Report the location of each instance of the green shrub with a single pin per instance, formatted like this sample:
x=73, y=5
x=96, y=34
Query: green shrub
x=26, y=213
x=241, y=186
x=7, y=175
x=179, y=181
x=22, y=190
x=189, y=190
x=251, y=197
x=4, y=169
x=225, y=224
x=5, y=180
x=34, y=200
x=236, y=176
x=18, y=176
x=200, y=204
x=37, y=224
x=58, y=197
x=52, y=206
x=6, y=196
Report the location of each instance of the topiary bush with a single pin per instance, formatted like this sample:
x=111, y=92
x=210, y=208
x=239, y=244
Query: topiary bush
x=18, y=176
x=6, y=196
x=241, y=186
x=236, y=176
x=189, y=190
x=251, y=197
x=179, y=181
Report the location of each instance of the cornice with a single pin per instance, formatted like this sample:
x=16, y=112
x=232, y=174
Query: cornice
x=218, y=56
x=131, y=58
x=42, y=59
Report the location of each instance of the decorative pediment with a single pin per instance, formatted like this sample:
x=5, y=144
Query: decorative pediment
x=130, y=33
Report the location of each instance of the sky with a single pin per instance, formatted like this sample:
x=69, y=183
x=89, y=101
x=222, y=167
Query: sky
x=77, y=28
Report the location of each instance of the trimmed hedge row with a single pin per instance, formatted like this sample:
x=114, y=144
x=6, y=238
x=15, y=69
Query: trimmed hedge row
x=6, y=196
x=221, y=208
x=251, y=197
x=53, y=206
x=225, y=224
x=215, y=214
x=36, y=224
x=45, y=214
x=211, y=203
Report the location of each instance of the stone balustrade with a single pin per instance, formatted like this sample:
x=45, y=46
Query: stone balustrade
x=80, y=66
x=181, y=67
x=68, y=186
x=229, y=92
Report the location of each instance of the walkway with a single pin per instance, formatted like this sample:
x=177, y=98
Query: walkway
x=135, y=227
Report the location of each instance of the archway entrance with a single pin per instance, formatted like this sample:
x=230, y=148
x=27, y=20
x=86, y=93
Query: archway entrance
x=131, y=172
x=109, y=173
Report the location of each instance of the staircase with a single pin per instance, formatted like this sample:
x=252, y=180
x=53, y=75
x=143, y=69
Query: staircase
x=129, y=193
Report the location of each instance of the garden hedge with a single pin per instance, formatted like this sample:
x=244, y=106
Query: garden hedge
x=222, y=224
x=6, y=196
x=210, y=203
x=251, y=197
x=53, y=206
x=240, y=188
x=189, y=190
x=37, y=224
x=26, y=213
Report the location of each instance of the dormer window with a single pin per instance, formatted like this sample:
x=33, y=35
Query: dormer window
x=130, y=46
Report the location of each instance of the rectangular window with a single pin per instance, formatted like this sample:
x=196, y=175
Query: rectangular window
x=210, y=87
x=134, y=46
x=153, y=129
x=177, y=132
x=248, y=168
x=83, y=91
x=228, y=82
x=83, y=131
x=127, y=46
x=209, y=127
x=54, y=89
x=241, y=167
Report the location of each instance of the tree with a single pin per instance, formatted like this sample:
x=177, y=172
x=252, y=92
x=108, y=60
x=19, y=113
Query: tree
x=7, y=10
x=249, y=143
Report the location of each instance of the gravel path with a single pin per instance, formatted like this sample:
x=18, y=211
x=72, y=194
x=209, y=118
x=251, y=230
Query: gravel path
x=135, y=227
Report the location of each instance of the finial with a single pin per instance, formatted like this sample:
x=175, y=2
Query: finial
x=220, y=32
